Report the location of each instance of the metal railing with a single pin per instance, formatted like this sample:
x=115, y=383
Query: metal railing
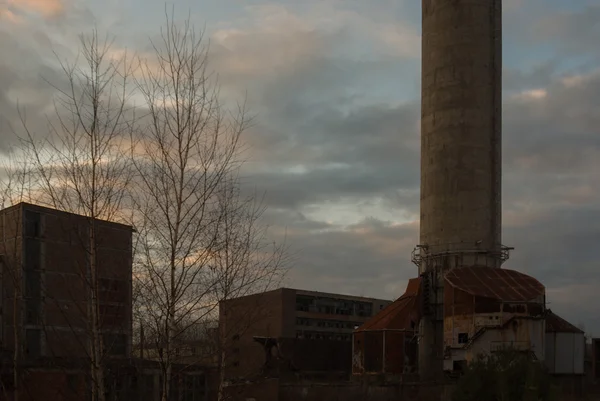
x=427, y=252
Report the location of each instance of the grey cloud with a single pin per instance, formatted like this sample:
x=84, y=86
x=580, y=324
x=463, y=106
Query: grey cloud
x=358, y=260
x=574, y=31
x=319, y=113
x=556, y=135
x=541, y=75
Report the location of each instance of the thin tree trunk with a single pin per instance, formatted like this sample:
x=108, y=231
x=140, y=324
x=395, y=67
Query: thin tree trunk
x=17, y=338
x=96, y=338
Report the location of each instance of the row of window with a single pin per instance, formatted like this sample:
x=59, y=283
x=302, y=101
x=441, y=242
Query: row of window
x=333, y=306
x=326, y=323
x=315, y=335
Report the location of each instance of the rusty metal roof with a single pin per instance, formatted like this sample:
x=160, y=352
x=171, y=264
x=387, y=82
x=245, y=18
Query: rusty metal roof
x=495, y=283
x=399, y=314
x=556, y=324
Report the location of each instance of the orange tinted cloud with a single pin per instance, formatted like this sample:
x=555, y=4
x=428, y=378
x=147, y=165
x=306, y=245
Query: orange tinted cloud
x=47, y=8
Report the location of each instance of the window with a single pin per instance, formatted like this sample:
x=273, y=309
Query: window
x=32, y=224
x=33, y=287
x=115, y=344
x=463, y=338
x=32, y=254
x=33, y=347
x=72, y=382
x=110, y=315
x=32, y=311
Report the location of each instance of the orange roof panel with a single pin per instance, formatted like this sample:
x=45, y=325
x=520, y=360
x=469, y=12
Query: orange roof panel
x=402, y=314
x=495, y=283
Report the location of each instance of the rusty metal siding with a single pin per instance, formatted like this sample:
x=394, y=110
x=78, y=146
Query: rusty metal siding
x=358, y=358
x=373, y=351
x=394, y=352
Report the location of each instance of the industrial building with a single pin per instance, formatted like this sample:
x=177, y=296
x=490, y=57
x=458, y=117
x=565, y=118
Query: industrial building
x=289, y=314
x=488, y=310
x=386, y=345
x=44, y=258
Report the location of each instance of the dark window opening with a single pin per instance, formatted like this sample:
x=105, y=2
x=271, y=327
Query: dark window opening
x=32, y=224
x=72, y=382
x=459, y=366
x=33, y=347
x=32, y=311
x=463, y=338
x=32, y=254
x=33, y=286
x=115, y=344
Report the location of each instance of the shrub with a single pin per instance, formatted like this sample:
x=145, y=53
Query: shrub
x=505, y=376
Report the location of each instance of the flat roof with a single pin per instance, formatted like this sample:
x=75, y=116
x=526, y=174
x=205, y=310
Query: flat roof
x=314, y=294
x=33, y=206
x=334, y=295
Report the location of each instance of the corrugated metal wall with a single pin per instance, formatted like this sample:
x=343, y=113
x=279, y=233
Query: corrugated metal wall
x=565, y=353
x=377, y=352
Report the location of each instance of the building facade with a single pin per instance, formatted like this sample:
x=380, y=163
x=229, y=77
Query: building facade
x=287, y=314
x=45, y=283
x=488, y=310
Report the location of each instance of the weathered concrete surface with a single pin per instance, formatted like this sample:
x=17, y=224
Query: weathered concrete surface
x=460, y=148
x=461, y=123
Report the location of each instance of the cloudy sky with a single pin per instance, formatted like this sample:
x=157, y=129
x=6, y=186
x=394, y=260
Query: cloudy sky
x=335, y=88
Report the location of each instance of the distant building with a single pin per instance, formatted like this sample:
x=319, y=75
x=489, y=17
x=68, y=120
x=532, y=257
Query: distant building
x=44, y=258
x=288, y=314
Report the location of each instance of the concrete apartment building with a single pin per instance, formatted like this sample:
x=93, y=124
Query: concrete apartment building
x=43, y=282
x=287, y=313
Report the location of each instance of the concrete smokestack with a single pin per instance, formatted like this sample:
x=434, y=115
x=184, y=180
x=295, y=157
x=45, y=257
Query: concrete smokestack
x=460, y=153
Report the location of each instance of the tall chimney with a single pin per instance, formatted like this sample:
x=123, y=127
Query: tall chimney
x=460, y=153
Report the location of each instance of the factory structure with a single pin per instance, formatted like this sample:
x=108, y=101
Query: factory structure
x=463, y=302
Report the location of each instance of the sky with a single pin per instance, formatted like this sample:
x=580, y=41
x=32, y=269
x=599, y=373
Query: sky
x=334, y=86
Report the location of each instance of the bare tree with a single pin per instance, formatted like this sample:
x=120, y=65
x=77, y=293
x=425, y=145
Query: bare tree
x=81, y=165
x=199, y=236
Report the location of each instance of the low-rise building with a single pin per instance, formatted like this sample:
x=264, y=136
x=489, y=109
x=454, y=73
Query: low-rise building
x=288, y=314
